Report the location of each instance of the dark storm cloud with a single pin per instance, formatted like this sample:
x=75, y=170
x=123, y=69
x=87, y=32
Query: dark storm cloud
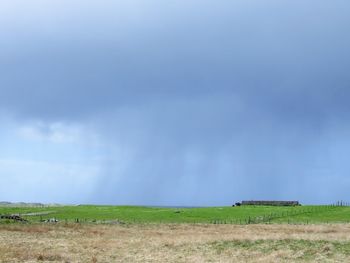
x=279, y=52
x=196, y=97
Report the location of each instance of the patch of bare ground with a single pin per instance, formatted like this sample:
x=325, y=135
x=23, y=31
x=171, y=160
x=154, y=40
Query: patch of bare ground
x=174, y=243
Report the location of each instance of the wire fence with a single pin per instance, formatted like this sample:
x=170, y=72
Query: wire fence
x=289, y=217
x=285, y=216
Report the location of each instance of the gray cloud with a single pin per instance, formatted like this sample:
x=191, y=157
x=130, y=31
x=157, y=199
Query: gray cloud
x=194, y=102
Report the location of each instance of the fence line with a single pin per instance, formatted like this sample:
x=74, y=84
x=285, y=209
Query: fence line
x=264, y=218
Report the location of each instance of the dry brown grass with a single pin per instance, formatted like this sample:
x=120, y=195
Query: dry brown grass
x=174, y=243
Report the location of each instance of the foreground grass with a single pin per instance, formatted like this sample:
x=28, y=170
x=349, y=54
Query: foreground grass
x=287, y=249
x=138, y=214
x=174, y=243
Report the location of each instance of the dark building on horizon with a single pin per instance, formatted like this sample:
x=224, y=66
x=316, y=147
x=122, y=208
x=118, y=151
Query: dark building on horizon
x=271, y=203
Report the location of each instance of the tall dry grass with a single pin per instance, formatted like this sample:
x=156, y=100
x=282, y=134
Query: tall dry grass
x=174, y=243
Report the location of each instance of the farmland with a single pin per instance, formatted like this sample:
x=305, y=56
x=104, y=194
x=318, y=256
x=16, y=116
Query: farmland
x=207, y=215
x=94, y=234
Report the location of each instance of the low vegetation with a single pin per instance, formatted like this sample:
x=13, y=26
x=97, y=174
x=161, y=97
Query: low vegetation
x=174, y=243
x=208, y=215
x=145, y=234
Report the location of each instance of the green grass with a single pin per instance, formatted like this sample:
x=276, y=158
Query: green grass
x=236, y=215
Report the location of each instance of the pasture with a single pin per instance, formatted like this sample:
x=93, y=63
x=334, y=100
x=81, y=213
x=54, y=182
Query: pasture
x=207, y=215
x=150, y=234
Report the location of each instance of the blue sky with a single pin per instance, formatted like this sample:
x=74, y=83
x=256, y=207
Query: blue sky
x=174, y=102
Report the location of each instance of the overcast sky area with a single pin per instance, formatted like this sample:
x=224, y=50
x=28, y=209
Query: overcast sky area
x=186, y=102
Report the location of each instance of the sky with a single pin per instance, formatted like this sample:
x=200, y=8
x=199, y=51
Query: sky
x=177, y=102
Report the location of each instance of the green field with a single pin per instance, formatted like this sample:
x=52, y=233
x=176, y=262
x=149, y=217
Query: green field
x=213, y=215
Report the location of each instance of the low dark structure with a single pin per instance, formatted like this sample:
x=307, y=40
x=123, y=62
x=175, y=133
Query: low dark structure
x=13, y=217
x=272, y=203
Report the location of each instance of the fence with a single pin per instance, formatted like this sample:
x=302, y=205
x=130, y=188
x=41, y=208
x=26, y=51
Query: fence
x=261, y=219
x=267, y=218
